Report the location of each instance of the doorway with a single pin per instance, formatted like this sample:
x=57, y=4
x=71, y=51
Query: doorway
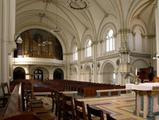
x=18, y=73
x=58, y=74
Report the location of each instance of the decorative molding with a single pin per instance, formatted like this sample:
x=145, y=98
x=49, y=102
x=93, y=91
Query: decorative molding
x=94, y=42
x=67, y=53
x=150, y=36
x=86, y=61
x=37, y=61
x=124, y=31
x=78, y=4
x=144, y=55
x=114, y=55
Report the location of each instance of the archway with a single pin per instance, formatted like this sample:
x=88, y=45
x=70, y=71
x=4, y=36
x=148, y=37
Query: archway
x=58, y=74
x=108, y=74
x=18, y=73
x=38, y=74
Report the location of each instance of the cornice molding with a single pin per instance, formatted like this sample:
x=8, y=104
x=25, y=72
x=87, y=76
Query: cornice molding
x=86, y=61
x=144, y=55
x=110, y=56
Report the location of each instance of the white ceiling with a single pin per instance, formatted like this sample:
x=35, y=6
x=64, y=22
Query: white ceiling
x=75, y=23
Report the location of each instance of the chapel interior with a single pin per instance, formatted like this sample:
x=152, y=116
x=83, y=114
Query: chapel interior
x=69, y=59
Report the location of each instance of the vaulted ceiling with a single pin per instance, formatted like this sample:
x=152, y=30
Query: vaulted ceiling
x=73, y=24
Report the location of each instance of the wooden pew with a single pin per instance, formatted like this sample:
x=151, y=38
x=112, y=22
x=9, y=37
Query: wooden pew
x=16, y=108
x=85, y=89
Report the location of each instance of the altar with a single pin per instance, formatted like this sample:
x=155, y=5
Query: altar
x=147, y=97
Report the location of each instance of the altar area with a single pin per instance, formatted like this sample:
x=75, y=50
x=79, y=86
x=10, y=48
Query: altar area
x=147, y=99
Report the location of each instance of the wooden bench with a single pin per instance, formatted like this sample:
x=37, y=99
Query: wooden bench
x=16, y=108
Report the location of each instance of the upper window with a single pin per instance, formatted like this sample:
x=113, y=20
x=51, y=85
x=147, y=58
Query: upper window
x=110, y=41
x=88, y=48
x=75, y=53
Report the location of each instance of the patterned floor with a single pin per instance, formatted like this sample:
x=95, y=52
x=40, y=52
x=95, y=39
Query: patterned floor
x=120, y=107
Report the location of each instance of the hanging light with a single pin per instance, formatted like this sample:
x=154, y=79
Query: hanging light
x=78, y=4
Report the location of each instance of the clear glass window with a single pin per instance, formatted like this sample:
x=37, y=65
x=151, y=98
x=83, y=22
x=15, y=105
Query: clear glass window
x=110, y=41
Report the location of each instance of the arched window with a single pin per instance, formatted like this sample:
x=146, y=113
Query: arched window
x=110, y=41
x=138, y=39
x=38, y=74
x=75, y=53
x=88, y=48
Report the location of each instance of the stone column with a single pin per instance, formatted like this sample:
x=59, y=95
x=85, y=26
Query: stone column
x=124, y=54
x=1, y=13
x=94, y=62
x=8, y=31
x=79, y=60
x=157, y=34
x=66, y=58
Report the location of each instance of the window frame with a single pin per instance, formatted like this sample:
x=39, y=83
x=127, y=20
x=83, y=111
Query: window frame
x=88, y=48
x=109, y=41
x=75, y=53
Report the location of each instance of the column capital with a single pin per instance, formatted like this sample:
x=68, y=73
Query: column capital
x=124, y=38
x=124, y=30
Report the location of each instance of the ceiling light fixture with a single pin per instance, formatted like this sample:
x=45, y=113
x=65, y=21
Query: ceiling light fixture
x=78, y=4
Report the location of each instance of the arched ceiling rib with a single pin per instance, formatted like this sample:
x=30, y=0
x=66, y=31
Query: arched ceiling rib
x=75, y=22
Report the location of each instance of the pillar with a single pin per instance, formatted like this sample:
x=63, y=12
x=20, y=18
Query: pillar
x=7, y=33
x=157, y=33
x=124, y=55
x=94, y=69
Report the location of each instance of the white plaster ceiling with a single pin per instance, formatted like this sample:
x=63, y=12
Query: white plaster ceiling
x=76, y=23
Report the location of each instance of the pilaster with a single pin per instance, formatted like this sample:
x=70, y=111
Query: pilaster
x=8, y=31
x=157, y=33
x=124, y=55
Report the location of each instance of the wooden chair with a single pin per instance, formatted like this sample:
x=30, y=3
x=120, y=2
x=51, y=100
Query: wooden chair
x=80, y=110
x=4, y=89
x=52, y=96
x=3, y=100
x=68, y=105
x=23, y=116
x=109, y=117
x=94, y=113
x=58, y=104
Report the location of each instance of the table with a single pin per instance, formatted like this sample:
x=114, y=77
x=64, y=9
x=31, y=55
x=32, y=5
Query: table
x=147, y=95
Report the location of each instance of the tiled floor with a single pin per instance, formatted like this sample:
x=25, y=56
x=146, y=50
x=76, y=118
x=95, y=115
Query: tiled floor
x=120, y=107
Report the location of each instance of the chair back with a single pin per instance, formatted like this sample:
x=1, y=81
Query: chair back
x=109, y=117
x=80, y=110
x=68, y=105
x=93, y=112
x=58, y=104
x=5, y=89
x=23, y=116
x=3, y=100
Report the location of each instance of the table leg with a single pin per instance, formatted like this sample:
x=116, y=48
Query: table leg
x=150, y=115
